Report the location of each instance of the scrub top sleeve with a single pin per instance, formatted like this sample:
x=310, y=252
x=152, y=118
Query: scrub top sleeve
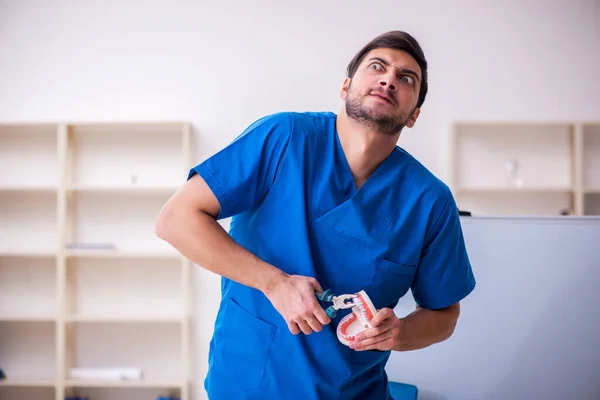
x=241, y=174
x=444, y=275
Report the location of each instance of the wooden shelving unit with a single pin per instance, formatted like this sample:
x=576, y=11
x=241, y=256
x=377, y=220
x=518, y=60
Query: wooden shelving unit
x=590, y=169
x=84, y=281
x=517, y=168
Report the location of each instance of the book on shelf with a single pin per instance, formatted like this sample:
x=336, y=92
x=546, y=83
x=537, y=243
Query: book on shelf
x=120, y=374
x=90, y=246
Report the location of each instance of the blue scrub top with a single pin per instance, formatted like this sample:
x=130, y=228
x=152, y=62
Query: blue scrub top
x=286, y=183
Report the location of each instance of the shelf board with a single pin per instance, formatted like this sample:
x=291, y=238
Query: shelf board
x=112, y=318
x=28, y=254
x=28, y=125
x=123, y=384
x=154, y=125
x=17, y=382
x=27, y=318
x=28, y=189
x=507, y=190
x=592, y=191
x=122, y=254
x=511, y=124
x=141, y=190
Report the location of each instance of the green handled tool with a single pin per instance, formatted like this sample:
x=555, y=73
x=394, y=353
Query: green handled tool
x=339, y=302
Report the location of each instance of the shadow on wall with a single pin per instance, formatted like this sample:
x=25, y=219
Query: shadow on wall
x=547, y=366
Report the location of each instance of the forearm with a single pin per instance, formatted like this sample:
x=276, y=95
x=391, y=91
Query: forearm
x=200, y=238
x=424, y=327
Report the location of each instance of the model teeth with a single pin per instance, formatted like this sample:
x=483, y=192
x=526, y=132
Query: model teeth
x=361, y=314
x=363, y=309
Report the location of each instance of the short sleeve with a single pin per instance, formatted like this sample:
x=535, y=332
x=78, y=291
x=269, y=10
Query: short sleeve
x=241, y=174
x=444, y=274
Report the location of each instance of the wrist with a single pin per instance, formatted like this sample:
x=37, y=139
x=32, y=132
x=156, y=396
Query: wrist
x=269, y=279
x=400, y=342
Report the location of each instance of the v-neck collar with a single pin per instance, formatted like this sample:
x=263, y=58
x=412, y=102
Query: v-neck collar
x=360, y=216
x=348, y=171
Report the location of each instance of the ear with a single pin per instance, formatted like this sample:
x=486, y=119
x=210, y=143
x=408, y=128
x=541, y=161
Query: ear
x=344, y=89
x=413, y=118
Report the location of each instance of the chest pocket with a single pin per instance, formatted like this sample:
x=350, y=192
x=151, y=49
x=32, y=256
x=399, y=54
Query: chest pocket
x=390, y=282
x=362, y=224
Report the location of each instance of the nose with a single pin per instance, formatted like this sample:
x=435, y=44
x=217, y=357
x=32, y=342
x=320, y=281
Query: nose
x=388, y=82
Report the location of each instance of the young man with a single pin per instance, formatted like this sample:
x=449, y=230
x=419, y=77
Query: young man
x=324, y=201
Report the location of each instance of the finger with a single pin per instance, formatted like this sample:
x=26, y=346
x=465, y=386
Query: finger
x=322, y=315
x=382, y=315
x=372, y=341
x=314, y=324
x=304, y=327
x=372, y=332
x=315, y=284
x=385, y=326
x=382, y=346
x=294, y=328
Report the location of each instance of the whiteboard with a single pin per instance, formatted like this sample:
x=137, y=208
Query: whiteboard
x=531, y=328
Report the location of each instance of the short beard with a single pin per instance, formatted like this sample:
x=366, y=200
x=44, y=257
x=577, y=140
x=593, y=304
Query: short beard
x=382, y=124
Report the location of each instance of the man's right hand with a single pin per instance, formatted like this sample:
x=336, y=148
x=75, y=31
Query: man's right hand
x=188, y=222
x=293, y=296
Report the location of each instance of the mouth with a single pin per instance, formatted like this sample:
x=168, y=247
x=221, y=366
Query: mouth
x=382, y=96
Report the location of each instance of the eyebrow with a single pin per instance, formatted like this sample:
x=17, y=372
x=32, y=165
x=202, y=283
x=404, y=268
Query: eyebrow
x=401, y=70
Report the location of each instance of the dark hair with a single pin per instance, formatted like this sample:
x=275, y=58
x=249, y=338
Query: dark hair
x=398, y=40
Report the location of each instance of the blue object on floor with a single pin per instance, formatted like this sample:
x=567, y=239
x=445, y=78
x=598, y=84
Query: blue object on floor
x=403, y=391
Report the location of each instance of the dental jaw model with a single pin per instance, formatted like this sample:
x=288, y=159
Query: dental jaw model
x=357, y=321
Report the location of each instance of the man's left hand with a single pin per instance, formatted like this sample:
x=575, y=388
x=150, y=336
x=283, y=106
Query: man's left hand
x=382, y=336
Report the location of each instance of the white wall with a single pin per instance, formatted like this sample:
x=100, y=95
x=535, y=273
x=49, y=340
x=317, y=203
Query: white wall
x=527, y=332
x=222, y=65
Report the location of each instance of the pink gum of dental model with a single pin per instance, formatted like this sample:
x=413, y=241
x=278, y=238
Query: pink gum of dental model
x=358, y=320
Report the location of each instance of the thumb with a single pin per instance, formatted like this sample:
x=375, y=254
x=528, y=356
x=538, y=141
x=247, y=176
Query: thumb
x=381, y=316
x=315, y=285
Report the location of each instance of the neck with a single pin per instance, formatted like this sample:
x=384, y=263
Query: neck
x=365, y=148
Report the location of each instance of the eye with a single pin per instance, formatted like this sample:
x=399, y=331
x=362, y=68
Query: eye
x=408, y=80
x=376, y=66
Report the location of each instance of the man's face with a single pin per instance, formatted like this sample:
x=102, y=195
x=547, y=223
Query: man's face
x=384, y=91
